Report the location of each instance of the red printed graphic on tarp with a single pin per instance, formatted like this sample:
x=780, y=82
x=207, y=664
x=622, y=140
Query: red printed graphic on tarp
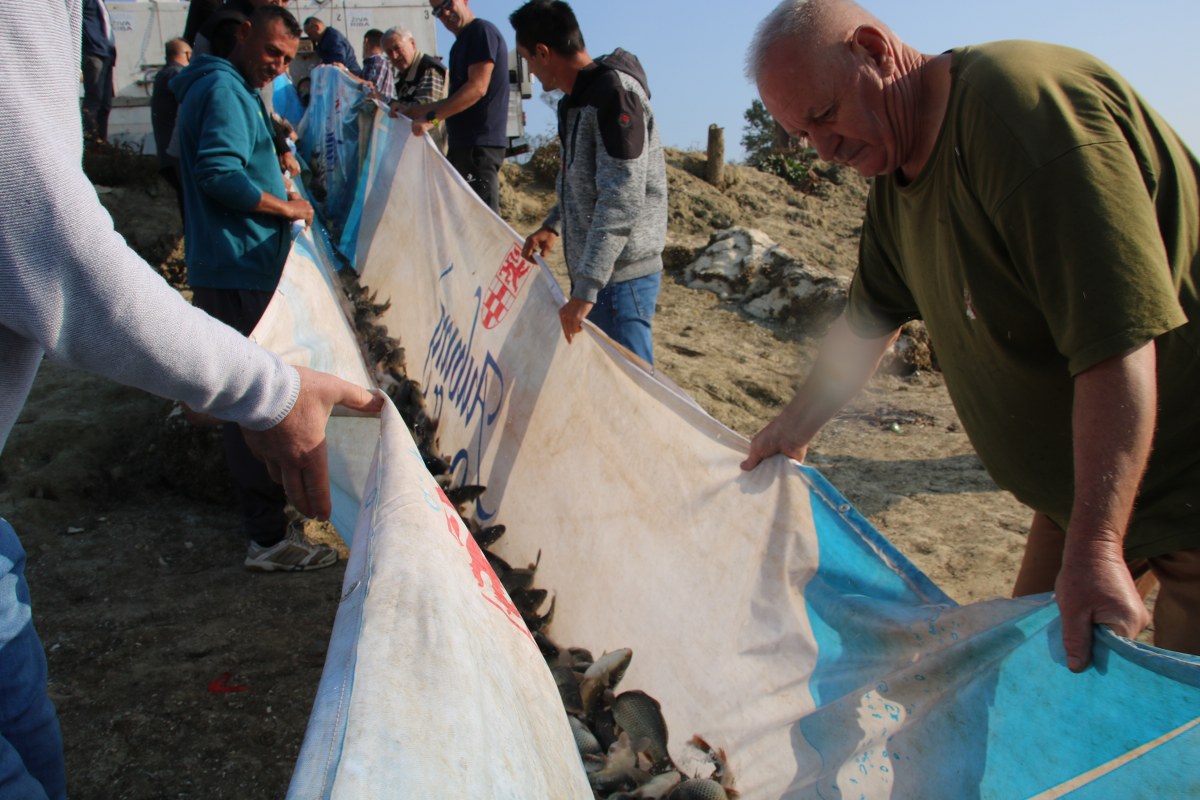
x=505, y=287
x=222, y=685
x=489, y=585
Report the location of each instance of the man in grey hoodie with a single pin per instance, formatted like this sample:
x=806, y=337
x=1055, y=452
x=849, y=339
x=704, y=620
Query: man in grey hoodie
x=612, y=190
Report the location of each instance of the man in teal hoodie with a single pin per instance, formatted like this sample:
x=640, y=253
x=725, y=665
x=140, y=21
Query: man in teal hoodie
x=238, y=234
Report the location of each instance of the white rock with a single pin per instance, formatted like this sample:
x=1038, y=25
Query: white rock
x=744, y=265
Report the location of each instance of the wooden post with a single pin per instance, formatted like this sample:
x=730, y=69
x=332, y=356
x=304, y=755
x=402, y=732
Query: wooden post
x=714, y=173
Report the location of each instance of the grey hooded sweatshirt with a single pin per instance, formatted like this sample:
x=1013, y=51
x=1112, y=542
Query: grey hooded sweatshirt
x=612, y=189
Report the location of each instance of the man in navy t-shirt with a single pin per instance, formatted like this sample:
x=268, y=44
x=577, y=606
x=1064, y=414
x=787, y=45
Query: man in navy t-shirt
x=476, y=111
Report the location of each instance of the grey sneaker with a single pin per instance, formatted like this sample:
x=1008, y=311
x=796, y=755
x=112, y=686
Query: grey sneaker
x=293, y=553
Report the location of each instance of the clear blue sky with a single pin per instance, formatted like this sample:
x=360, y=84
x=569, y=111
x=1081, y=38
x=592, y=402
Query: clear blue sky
x=693, y=51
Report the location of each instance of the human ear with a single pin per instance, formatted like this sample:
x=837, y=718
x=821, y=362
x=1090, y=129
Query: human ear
x=874, y=45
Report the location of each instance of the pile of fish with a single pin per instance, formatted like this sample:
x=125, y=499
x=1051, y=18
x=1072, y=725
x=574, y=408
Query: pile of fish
x=622, y=738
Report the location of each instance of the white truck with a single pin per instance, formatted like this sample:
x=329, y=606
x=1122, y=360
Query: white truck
x=143, y=27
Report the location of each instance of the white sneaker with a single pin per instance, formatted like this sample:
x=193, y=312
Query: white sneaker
x=292, y=553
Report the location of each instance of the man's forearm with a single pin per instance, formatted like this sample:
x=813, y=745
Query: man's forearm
x=456, y=103
x=1112, y=430
x=294, y=208
x=845, y=364
x=1113, y=426
x=479, y=77
x=270, y=204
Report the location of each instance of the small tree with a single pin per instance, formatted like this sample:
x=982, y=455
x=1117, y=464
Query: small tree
x=758, y=137
x=770, y=149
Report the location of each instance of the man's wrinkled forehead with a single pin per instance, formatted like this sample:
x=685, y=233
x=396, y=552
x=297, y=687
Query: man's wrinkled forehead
x=796, y=59
x=792, y=84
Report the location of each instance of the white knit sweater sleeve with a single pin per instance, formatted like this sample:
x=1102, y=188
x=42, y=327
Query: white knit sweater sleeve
x=69, y=284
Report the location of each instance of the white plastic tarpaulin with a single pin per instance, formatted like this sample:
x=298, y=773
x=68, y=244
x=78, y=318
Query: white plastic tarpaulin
x=764, y=613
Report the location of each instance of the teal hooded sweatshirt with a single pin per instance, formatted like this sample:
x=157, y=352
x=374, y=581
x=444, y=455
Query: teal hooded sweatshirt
x=226, y=161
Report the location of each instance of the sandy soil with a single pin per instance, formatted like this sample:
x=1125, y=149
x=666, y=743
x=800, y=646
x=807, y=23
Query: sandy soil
x=178, y=674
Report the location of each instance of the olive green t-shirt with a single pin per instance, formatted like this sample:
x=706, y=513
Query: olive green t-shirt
x=1057, y=224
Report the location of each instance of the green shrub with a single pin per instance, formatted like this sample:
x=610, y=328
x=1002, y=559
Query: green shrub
x=793, y=167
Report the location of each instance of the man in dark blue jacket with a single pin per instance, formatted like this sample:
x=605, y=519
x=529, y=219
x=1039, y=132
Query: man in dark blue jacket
x=164, y=107
x=98, y=57
x=238, y=235
x=332, y=46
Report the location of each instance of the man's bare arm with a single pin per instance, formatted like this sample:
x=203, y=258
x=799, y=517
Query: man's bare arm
x=844, y=365
x=1113, y=423
x=288, y=209
x=479, y=76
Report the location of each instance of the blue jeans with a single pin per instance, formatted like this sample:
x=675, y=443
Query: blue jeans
x=624, y=311
x=31, y=748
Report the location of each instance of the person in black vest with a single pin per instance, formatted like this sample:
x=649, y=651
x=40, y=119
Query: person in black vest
x=420, y=78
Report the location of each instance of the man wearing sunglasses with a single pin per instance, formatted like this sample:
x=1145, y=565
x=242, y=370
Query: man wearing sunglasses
x=476, y=112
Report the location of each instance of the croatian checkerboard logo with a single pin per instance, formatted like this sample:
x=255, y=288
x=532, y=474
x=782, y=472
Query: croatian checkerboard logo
x=505, y=287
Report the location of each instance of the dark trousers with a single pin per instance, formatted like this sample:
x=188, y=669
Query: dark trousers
x=97, y=96
x=170, y=174
x=480, y=166
x=261, y=499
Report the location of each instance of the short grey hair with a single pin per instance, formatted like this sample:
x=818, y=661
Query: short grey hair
x=814, y=23
x=403, y=34
x=789, y=19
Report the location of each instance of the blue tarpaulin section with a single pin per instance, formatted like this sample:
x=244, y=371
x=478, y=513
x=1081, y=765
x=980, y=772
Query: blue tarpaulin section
x=286, y=100
x=764, y=612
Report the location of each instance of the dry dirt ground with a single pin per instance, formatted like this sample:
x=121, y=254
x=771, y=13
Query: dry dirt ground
x=178, y=674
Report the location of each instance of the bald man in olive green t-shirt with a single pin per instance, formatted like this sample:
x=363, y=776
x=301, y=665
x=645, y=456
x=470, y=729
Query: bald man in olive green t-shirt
x=1044, y=223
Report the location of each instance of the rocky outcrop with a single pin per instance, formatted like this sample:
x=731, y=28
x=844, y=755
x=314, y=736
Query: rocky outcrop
x=744, y=266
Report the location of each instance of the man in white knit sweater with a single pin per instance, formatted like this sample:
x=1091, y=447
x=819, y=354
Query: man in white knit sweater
x=72, y=290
